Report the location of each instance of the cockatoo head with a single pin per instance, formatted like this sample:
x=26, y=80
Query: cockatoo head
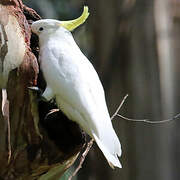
x=48, y=26
x=45, y=26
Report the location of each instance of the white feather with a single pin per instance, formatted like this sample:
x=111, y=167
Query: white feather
x=73, y=81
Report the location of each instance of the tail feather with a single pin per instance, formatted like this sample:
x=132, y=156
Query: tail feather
x=110, y=156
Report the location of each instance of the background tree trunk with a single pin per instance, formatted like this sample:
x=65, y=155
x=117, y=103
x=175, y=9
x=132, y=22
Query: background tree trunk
x=31, y=146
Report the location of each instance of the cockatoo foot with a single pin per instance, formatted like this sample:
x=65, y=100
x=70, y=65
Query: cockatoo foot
x=39, y=93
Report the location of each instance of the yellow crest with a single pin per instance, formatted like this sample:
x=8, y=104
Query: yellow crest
x=72, y=24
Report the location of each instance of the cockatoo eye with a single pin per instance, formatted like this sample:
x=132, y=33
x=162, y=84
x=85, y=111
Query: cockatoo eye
x=41, y=29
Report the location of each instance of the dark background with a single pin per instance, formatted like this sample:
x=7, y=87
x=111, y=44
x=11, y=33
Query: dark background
x=134, y=46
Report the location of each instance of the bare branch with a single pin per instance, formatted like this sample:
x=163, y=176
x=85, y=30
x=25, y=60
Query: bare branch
x=119, y=107
x=141, y=120
x=149, y=121
x=83, y=156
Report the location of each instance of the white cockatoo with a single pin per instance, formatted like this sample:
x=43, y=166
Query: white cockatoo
x=74, y=83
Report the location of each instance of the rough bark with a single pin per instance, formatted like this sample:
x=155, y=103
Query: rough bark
x=33, y=143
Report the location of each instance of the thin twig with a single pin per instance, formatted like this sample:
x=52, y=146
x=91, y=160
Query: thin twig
x=141, y=120
x=119, y=107
x=149, y=121
x=83, y=156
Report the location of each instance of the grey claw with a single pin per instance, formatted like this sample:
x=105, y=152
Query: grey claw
x=34, y=88
x=38, y=91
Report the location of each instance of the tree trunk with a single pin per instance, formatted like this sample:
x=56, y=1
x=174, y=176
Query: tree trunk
x=34, y=144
